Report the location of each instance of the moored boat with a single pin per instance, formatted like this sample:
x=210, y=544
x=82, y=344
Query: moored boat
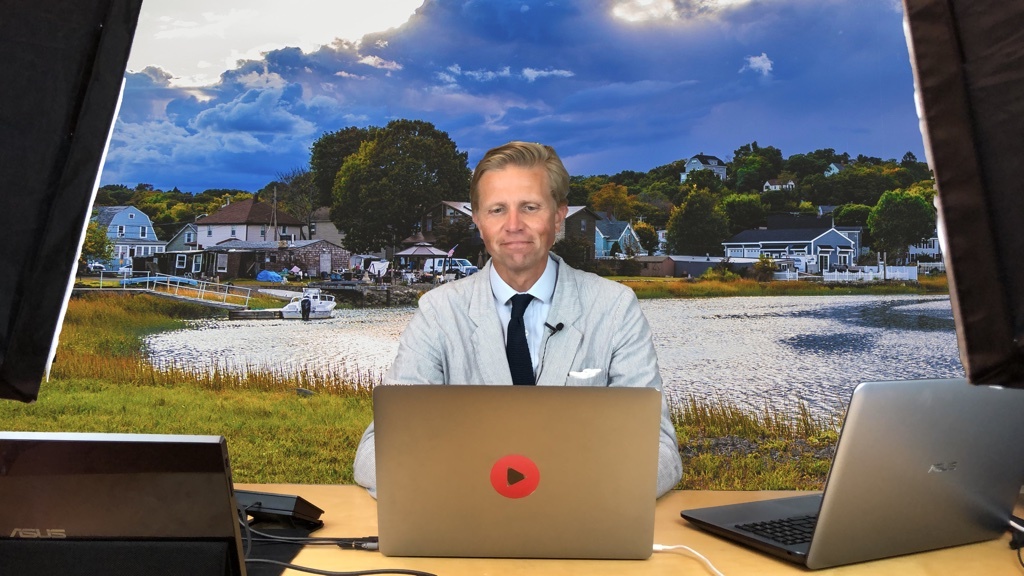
x=313, y=303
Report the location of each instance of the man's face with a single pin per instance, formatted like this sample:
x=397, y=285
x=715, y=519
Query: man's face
x=518, y=220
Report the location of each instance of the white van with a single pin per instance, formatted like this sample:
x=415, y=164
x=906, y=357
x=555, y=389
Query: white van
x=458, y=266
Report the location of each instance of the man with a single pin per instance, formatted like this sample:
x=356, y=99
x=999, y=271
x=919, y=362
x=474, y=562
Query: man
x=469, y=332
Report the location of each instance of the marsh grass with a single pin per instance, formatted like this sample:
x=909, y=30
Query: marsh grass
x=727, y=448
x=646, y=288
x=279, y=432
x=281, y=426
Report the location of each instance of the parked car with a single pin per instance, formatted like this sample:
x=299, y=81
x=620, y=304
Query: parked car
x=458, y=266
x=126, y=270
x=95, y=267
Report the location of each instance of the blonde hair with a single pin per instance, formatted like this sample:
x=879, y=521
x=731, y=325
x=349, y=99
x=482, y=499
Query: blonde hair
x=523, y=155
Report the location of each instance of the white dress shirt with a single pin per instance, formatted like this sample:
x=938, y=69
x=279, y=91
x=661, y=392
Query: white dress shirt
x=536, y=313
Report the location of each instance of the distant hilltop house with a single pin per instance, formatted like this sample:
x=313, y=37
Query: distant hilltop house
x=834, y=169
x=248, y=220
x=131, y=232
x=777, y=184
x=704, y=161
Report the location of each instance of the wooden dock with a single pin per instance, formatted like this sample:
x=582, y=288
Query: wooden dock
x=268, y=314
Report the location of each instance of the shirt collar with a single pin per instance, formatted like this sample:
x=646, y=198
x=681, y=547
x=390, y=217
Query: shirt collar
x=543, y=289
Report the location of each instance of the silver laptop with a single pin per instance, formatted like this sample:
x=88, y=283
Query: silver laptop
x=920, y=465
x=516, y=471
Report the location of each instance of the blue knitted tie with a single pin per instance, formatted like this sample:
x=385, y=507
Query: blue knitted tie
x=517, y=350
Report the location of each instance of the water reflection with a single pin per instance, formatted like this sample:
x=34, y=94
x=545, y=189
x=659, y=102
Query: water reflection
x=781, y=350
x=747, y=351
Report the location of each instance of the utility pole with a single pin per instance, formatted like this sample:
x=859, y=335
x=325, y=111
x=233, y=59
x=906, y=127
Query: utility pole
x=273, y=214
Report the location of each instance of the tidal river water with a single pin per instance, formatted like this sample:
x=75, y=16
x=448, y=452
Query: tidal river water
x=750, y=352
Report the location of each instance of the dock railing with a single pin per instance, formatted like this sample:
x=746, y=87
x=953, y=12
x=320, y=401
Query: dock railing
x=201, y=290
x=183, y=287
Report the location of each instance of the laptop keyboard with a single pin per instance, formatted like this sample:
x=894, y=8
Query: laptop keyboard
x=788, y=531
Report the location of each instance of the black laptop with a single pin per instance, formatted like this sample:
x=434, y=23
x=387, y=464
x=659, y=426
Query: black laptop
x=118, y=505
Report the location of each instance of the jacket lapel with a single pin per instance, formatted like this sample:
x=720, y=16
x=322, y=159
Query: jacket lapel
x=558, y=350
x=488, y=337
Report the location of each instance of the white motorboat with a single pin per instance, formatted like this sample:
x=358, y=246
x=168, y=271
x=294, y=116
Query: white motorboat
x=312, y=304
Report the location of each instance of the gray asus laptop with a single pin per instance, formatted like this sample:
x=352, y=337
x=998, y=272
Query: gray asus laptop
x=920, y=465
x=516, y=471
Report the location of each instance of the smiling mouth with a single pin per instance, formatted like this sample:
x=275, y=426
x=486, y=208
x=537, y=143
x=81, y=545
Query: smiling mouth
x=516, y=243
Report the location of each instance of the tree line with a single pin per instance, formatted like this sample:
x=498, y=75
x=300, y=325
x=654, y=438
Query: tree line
x=378, y=181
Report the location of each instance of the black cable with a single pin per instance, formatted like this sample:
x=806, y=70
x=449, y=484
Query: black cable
x=364, y=543
x=352, y=573
x=355, y=543
x=1017, y=537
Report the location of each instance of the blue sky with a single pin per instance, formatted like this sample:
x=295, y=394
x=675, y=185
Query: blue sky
x=231, y=94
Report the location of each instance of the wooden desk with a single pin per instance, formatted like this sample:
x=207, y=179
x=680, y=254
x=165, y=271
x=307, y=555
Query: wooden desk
x=351, y=512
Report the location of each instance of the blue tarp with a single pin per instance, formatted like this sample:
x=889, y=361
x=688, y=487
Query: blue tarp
x=268, y=276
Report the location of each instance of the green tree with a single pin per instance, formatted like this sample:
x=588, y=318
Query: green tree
x=701, y=179
x=382, y=190
x=329, y=152
x=753, y=165
x=457, y=232
x=697, y=226
x=667, y=173
x=745, y=212
x=297, y=194
x=581, y=188
x=653, y=203
x=764, y=268
x=97, y=245
x=857, y=184
x=113, y=195
x=900, y=219
x=648, y=236
x=575, y=250
x=918, y=170
x=780, y=200
x=804, y=165
x=613, y=199
x=851, y=215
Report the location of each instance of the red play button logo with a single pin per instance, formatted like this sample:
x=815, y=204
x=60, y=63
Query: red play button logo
x=515, y=476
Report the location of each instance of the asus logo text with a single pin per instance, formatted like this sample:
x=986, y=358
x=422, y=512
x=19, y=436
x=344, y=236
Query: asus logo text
x=37, y=533
x=942, y=467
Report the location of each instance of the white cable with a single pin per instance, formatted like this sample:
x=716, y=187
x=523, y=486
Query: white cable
x=1016, y=526
x=711, y=567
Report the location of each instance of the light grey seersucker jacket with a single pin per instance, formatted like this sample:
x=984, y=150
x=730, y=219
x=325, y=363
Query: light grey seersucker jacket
x=456, y=338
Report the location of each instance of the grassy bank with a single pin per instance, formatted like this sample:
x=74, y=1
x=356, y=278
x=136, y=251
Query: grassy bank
x=681, y=288
x=101, y=382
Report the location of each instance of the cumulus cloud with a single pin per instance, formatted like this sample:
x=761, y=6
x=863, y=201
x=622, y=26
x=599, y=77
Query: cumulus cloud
x=586, y=81
x=455, y=71
x=660, y=10
x=380, y=63
x=532, y=74
x=264, y=79
x=760, y=64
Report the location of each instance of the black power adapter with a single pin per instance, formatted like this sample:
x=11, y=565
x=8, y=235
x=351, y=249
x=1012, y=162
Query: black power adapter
x=279, y=509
